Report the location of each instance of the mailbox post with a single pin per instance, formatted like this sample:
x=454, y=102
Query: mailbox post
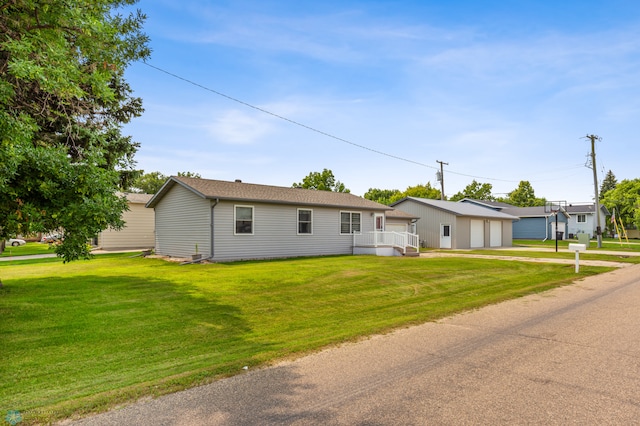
x=578, y=248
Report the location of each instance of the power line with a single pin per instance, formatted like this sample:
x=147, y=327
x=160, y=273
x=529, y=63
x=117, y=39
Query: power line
x=313, y=129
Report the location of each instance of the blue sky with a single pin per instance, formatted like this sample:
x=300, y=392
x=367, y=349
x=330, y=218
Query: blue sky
x=502, y=91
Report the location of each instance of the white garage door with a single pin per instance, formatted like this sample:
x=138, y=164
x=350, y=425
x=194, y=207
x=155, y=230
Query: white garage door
x=495, y=236
x=477, y=234
x=396, y=227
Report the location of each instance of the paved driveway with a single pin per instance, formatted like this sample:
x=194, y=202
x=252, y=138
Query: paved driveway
x=568, y=356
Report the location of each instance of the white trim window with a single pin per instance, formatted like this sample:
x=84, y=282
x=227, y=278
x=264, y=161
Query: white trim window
x=350, y=222
x=243, y=219
x=305, y=222
x=581, y=218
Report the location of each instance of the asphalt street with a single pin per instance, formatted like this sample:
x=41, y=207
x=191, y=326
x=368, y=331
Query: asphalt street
x=567, y=356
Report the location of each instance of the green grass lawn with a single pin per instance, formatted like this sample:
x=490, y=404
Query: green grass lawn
x=27, y=249
x=561, y=254
x=608, y=244
x=84, y=336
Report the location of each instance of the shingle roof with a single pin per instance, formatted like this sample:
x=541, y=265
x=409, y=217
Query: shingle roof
x=137, y=198
x=250, y=192
x=586, y=208
x=538, y=211
x=399, y=214
x=462, y=209
x=488, y=203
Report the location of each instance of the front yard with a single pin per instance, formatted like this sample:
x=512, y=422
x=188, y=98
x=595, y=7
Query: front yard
x=85, y=336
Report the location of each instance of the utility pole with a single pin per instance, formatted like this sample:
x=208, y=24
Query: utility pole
x=441, y=178
x=593, y=139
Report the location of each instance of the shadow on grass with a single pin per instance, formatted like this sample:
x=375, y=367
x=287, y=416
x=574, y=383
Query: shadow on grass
x=81, y=344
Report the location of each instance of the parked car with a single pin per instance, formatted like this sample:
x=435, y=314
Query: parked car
x=16, y=242
x=51, y=238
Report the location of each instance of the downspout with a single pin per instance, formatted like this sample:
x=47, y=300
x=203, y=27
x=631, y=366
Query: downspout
x=213, y=205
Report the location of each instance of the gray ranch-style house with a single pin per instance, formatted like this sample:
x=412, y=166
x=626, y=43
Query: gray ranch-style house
x=228, y=221
x=455, y=225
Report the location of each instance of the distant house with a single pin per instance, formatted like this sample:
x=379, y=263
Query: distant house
x=138, y=232
x=536, y=223
x=226, y=221
x=582, y=219
x=447, y=224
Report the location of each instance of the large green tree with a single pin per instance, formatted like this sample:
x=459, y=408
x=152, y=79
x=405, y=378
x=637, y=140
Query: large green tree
x=420, y=191
x=524, y=196
x=608, y=183
x=322, y=181
x=625, y=199
x=390, y=196
x=148, y=183
x=63, y=101
x=382, y=196
x=475, y=190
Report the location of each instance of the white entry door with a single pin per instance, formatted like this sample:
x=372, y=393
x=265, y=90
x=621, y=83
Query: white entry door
x=495, y=236
x=445, y=235
x=477, y=234
x=379, y=226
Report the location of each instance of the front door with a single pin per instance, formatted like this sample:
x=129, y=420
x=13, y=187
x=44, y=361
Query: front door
x=379, y=227
x=445, y=235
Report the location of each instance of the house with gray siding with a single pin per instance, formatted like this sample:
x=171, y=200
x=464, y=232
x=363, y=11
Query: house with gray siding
x=447, y=224
x=226, y=221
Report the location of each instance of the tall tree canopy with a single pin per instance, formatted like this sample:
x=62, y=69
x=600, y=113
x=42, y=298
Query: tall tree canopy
x=148, y=183
x=475, y=190
x=390, y=196
x=322, y=181
x=382, y=196
x=608, y=183
x=625, y=199
x=419, y=191
x=524, y=196
x=63, y=101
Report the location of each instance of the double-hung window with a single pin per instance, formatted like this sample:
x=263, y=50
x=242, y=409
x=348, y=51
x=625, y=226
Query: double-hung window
x=305, y=221
x=582, y=218
x=349, y=222
x=244, y=220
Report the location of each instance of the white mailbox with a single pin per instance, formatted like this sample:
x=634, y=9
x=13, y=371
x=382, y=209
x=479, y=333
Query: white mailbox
x=577, y=248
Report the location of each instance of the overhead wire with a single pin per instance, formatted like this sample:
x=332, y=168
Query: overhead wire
x=313, y=129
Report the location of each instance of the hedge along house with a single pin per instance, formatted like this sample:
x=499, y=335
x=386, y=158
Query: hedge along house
x=447, y=224
x=138, y=231
x=226, y=221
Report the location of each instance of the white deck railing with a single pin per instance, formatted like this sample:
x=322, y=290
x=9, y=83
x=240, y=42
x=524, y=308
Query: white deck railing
x=400, y=240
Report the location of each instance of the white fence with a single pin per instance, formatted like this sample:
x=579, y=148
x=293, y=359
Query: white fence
x=400, y=240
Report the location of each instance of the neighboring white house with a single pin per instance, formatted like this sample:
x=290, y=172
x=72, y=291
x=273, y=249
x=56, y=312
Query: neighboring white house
x=138, y=232
x=582, y=219
x=447, y=224
x=225, y=221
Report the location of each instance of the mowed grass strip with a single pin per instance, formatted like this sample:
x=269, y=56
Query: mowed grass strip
x=84, y=336
x=27, y=249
